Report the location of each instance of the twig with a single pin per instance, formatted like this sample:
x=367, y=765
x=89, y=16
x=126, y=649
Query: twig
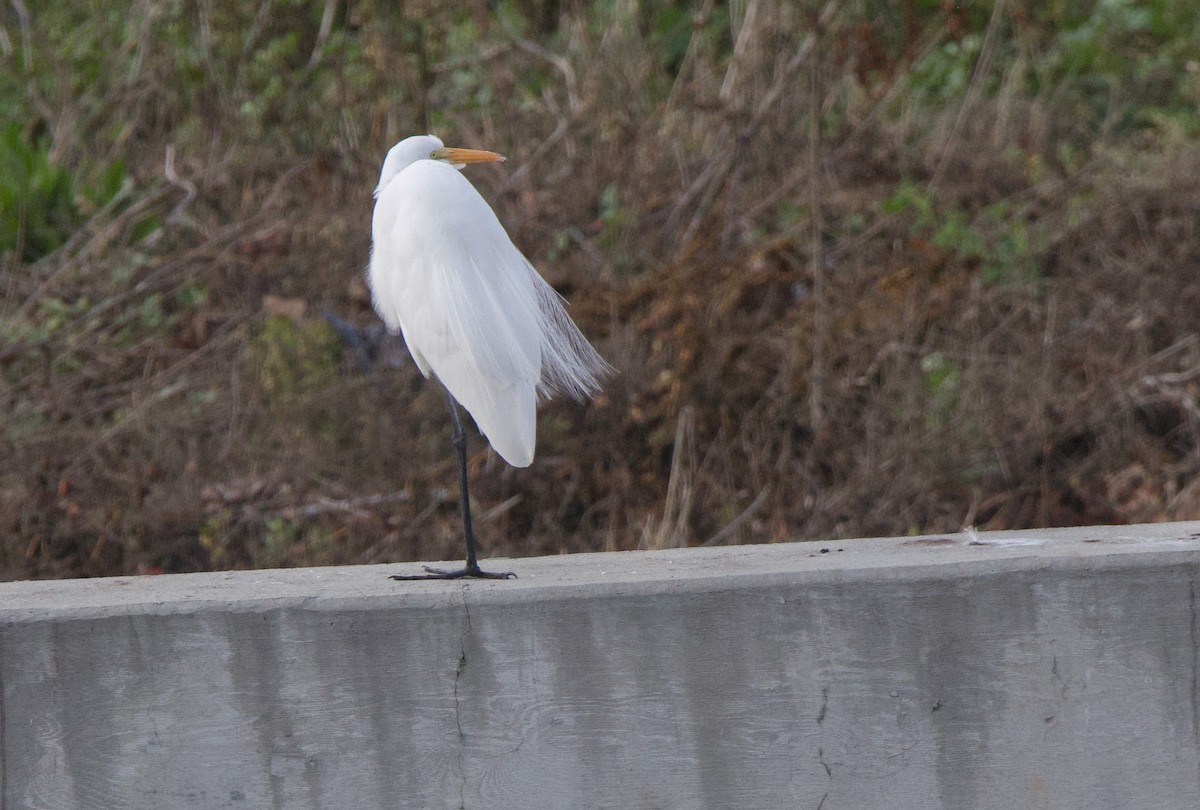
x=740, y=45
x=698, y=22
x=816, y=397
x=187, y=186
x=702, y=193
x=136, y=408
x=672, y=531
x=325, y=505
x=973, y=90
x=735, y=524
x=475, y=58
x=500, y=508
x=787, y=186
x=560, y=131
x=31, y=87
x=563, y=66
x=256, y=27
x=322, y=33
x=87, y=239
x=223, y=237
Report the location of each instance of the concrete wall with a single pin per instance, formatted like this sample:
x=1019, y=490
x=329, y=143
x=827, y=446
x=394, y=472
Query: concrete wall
x=1035, y=669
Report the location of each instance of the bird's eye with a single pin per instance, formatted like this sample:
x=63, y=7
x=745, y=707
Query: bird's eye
x=433, y=156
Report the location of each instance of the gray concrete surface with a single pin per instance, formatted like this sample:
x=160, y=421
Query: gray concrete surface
x=1052, y=669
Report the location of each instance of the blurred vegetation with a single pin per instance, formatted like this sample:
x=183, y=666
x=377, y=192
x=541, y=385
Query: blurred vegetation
x=864, y=268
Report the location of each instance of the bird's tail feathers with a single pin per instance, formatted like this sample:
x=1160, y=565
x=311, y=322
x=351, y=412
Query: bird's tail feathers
x=569, y=363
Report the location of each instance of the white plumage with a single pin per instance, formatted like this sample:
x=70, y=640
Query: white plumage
x=472, y=309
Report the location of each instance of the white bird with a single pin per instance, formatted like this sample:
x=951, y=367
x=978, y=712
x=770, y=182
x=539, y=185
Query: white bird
x=473, y=310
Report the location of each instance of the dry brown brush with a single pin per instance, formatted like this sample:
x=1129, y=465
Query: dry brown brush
x=862, y=271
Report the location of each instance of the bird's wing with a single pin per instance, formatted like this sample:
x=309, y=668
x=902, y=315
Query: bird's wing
x=446, y=274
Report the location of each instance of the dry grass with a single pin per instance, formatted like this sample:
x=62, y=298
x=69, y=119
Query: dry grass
x=854, y=283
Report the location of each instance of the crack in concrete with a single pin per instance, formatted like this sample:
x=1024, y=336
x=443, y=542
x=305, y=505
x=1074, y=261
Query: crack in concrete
x=3, y=746
x=1195, y=632
x=462, y=739
x=824, y=649
x=821, y=749
x=149, y=670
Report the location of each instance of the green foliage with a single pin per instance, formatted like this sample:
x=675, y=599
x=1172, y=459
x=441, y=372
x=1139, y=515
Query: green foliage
x=910, y=196
x=295, y=364
x=281, y=541
x=42, y=203
x=616, y=219
x=1123, y=63
x=37, y=199
x=26, y=419
x=202, y=397
x=942, y=378
x=215, y=536
x=192, y=296
x=469, y=85
x=51, y=317
x=998, y=239
x=1008, y=254
x=293, y=542
x=610, y=205
x=942, y=76
x=673, y=25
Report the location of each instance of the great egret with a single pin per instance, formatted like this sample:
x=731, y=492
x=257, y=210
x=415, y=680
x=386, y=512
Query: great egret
x=472, y=309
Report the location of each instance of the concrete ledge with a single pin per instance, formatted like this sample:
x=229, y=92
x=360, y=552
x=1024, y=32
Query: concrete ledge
x=1053, y=668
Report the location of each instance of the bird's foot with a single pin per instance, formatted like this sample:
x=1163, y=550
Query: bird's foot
x=473, y=571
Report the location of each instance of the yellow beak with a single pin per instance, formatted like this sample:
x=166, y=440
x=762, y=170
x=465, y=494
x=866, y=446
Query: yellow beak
x=460, y=157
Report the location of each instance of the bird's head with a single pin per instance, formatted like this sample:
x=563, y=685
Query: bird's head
x=427, y=147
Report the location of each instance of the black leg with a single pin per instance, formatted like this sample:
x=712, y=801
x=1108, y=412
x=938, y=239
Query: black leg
x=471, y=569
